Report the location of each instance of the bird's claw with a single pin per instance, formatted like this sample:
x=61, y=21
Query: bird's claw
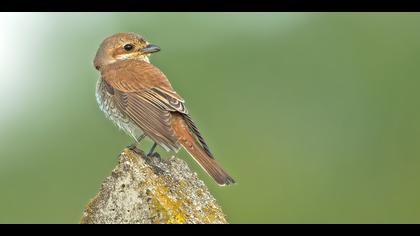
x=154, y=154
x=133, y=147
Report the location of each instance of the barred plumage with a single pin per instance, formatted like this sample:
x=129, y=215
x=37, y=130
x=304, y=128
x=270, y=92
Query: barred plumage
x=107, y=106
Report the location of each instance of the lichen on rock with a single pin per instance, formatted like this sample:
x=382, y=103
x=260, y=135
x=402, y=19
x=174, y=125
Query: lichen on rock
x=150, y=190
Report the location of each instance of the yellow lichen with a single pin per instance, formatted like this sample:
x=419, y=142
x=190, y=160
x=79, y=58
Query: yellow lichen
x=178, y=219
x=172, y=210
x=163, y=197
x=212, y=214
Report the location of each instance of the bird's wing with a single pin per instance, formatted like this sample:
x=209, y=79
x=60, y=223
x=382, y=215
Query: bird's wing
x=146, y=96
x=170, y=103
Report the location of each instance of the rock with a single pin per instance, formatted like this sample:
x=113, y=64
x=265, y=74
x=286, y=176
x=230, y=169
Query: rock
x=149, y=190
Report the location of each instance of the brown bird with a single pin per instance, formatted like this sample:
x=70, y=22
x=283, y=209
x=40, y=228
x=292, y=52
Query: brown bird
x=139, y=99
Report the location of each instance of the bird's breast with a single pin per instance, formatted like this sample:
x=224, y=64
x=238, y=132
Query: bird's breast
x=107, y=104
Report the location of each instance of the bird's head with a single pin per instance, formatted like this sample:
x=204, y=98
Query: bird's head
x=123, y=46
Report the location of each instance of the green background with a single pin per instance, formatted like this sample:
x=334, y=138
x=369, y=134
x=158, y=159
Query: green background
x=316, y=115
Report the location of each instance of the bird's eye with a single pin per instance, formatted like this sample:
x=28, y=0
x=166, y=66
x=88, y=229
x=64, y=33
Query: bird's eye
x=128, y=47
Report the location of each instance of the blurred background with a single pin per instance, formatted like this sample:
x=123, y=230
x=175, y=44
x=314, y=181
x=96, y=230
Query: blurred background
x=316, y=115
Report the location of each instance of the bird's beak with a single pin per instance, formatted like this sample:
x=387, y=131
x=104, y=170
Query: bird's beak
x=150, y=49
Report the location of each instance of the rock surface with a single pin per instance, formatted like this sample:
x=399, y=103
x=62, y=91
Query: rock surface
x=149, y=190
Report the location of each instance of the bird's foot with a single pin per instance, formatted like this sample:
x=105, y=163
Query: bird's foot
x=154, y=154
x=133, y=147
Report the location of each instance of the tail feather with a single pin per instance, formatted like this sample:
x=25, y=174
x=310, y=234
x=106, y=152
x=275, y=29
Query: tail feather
x=199, y=154
x=196, y=132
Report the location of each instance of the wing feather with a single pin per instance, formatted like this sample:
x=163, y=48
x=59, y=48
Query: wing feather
x=145, y=95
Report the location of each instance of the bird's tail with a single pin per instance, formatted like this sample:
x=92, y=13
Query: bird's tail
x=199, y=154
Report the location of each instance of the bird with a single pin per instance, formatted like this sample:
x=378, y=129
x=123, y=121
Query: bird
x=138, y=97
